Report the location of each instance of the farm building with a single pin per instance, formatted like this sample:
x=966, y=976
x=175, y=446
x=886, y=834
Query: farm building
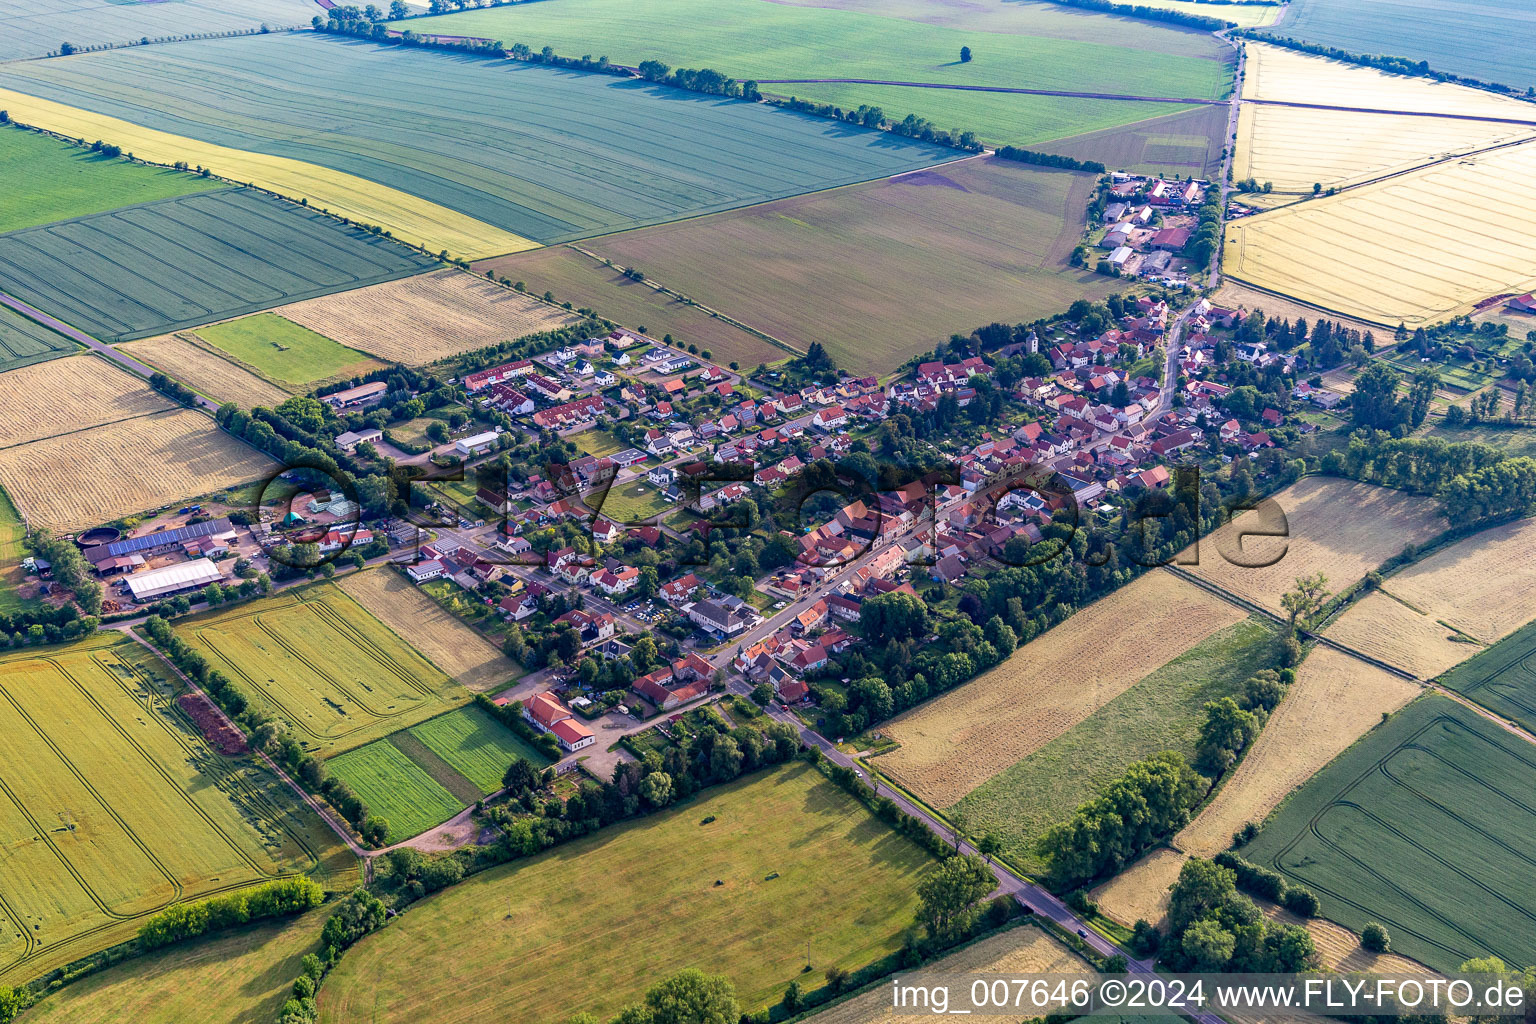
x=360, y=395
x=173, y=579
x=215, y=530
x=352, y=438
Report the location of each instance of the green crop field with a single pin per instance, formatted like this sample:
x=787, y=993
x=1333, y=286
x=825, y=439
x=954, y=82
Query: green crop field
x=1186, y=144
x=886, y=270
x=285, y=353
x=113, y=806
x=319, y=661
x=476, y=745
x=606, y=916
x=1493, y=46
x=1161, y=712
x=587, y=283
x=1424, y=825
x=176, y=263
x=395, y=788
x=1502, y=678
x=49, y=180
x=756, y=39
x=34, y=28
x=24, y=342
x=241, y=977
x=546, y=154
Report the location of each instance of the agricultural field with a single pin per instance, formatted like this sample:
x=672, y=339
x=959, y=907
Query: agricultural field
x=395, y=788
x=116, y=807
x=1024, y=950
x=1161, y=712
x=1279, y=143
x=49, y=179
x=125, y=467
x=1140, y=892
x=1340, y=528
x=1489, y=45
x=981, y=240
x=792, y=50
x=1186, y=144
x=451, y=645
x=293, y=357
x=34, y=28
x=1459, y=246
x=422, y=319
x=318, y=660
x=239, y=977
x=588, y=284
x=1390, y=630
x=182, y=357
x=962, y=739
x=476, y=746
x=1438, y=795
x=156, y=267
x=1502, y=678
x=24, y=342
x=560, y=154
x=800, y=861
x=1483, y=585
x=66, y=395
x=1335, y=700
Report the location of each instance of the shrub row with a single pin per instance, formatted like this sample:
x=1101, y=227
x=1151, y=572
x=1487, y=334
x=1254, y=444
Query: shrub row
x=283, y=897
x=1262, y=882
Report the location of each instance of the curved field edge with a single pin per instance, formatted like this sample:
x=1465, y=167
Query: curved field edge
x=412, y=219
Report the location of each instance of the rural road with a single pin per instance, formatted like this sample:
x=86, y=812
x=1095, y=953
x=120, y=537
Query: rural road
x=993, y=88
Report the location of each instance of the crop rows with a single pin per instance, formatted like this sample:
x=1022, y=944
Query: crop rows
x=23, y=342
x=181, y=262
x=34, y=28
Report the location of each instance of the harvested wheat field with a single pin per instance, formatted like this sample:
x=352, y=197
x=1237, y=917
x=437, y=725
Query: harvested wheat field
x=954, y=743
x=1279, y=144
x=1335, y=700
x=1340, y=948
x=422, y=319
x=1024, y=950
x=451, y=645
x=1140, y=892
x=205, y=372
x=1484, y=585
x=1455, y=240
x=61, y=395
x=125, y=467
x=1340, y=528
x=1389, y=630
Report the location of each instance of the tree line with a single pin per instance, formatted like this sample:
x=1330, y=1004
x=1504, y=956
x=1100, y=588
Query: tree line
x=1475, y=483
x=284, y=897
x=1029, y=156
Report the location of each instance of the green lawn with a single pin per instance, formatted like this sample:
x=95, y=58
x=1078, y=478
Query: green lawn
x=635, y=502
x=47, y=180
x=597, y=442
x=1424, y=825
x=395, y=788
x=476, y=745
x=754, y=39
x=1160, y=712
x=285, y=353
x=789, y=859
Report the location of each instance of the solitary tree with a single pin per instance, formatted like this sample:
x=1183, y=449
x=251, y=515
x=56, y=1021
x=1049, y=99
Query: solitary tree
x=949, y=896
x=1308, y=597
x=965, y=54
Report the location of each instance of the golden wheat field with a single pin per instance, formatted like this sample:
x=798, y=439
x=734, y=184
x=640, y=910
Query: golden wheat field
x=61, y=395
x=410, y=218
x=95, y=476
x=1340, y=948
x=1140, y=892
x=1420, y=247
x=1484, y=585
x=954, y=743
x=1335, y=700
x=451, y=645
x=1280, y=145
x=1340, y=528
x=1025, y=950
x=203, y=371
x=1389, y=630
x=422, y=319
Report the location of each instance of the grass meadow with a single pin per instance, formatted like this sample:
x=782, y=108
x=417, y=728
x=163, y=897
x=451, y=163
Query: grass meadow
x=318, y=660
x=1438, y=798
x=49, y=180
x=290, y=356
x=979, y=240
x=1161, y=712
x=114, y=806
x=788, y=859
x=476, y=745
x=635, y=502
